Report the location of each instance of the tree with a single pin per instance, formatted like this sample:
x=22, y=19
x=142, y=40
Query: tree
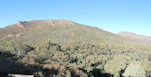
x=135, y=69
x=116, y=65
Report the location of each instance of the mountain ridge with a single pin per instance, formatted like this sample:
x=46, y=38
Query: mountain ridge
x=134, y=36
x=23, y=24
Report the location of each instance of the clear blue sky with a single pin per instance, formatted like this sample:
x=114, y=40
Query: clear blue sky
x=110, y=15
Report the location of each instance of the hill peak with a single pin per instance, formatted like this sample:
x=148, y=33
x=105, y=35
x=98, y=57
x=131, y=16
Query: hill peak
x=130, y=34
x=134, y=36
x=127, y=33
x=24, y=24
x=53, y=22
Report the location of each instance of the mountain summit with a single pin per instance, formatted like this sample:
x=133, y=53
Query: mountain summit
x=25, y=24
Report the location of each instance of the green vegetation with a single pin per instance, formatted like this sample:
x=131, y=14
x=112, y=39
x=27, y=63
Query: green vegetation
x=68, y=49
x=83, y=60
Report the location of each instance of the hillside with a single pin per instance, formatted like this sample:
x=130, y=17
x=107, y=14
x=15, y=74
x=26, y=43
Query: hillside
x=36, y=31
x=62, y=48
x=136, y=37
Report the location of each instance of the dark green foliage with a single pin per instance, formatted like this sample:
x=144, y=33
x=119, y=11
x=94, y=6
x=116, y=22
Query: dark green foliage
x=84, y=59
x=16, y=48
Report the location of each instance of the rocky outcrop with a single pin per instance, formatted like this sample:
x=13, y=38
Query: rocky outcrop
x=21, y=24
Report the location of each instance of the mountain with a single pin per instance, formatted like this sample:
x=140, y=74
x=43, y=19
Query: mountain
x=36, y=31
x=135, y=37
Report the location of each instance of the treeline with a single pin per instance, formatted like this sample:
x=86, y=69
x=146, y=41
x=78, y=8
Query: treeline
x=49, y=59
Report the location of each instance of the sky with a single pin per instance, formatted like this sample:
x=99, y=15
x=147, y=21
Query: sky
x=111, y=15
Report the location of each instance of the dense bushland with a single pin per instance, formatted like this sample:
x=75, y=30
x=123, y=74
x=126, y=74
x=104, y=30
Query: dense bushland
x=49, y=59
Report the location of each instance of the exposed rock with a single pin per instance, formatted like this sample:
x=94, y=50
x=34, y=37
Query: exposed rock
x=13, y=35
x=18, y=35
x=21, y=24
x=62, y=23
x=10, y=35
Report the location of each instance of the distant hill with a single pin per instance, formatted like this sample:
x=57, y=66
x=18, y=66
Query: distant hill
x=135, y=37
x=36, y=31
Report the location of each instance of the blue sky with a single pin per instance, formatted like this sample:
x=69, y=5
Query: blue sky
x=110, y=15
